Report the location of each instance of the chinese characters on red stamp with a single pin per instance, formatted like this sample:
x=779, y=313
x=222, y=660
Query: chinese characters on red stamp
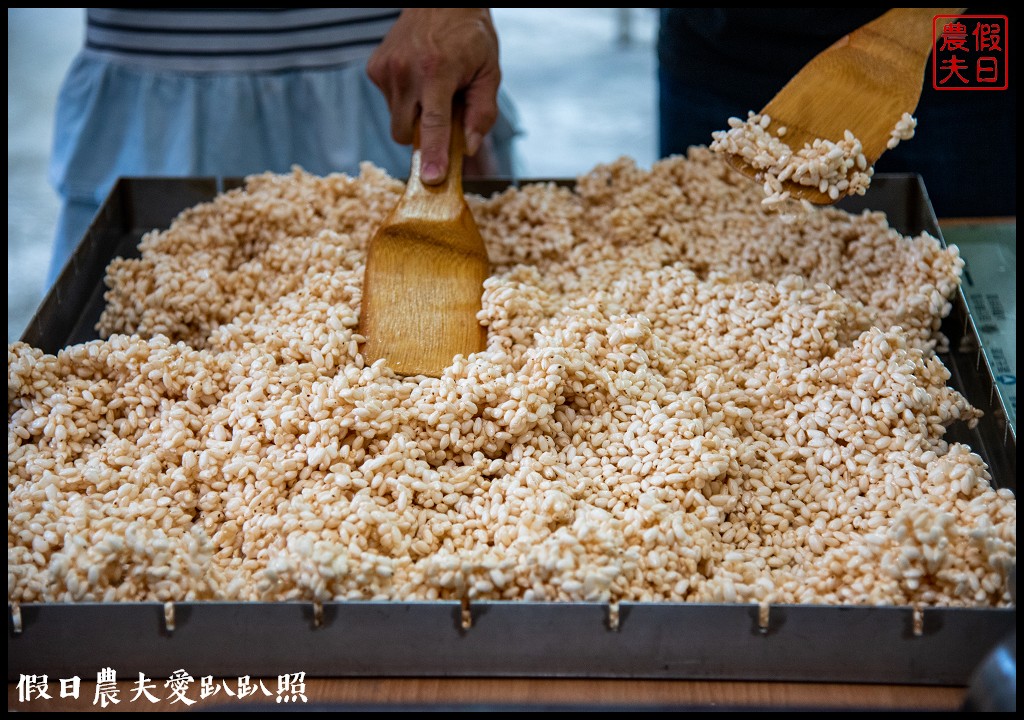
x=969, y=52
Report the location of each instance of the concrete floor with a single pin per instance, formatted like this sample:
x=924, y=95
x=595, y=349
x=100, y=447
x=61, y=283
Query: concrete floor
x=583, y=81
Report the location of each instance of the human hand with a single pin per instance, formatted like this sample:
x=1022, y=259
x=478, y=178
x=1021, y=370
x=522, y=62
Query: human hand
x=429, y=55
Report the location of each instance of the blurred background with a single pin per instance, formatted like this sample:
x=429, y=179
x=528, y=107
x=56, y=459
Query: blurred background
x=583, y=81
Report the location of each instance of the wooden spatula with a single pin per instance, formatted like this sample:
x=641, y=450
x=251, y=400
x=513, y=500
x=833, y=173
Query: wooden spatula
x=425, y=269
x=864, y=82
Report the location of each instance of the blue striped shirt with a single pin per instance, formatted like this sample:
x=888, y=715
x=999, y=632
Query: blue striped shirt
x=236, y=40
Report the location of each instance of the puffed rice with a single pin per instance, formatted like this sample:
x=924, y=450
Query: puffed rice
x=683, y=397
x=836, y=169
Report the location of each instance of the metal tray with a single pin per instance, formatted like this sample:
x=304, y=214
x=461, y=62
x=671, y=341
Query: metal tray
x=927, y=646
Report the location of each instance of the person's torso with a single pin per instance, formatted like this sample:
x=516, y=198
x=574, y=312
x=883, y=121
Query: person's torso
x=238, y=39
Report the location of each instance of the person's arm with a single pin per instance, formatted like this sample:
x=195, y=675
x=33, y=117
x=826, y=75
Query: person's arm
x=428, y=56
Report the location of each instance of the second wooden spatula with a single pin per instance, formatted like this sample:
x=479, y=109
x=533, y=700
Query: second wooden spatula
x=425, y=269
x=862, y=83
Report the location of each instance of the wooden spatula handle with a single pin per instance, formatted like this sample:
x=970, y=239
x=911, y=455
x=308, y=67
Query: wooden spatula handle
x=444, y=200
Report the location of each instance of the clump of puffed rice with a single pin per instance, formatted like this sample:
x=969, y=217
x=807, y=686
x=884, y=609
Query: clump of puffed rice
x=683, y=397
x=835, y=169
x=904, y=130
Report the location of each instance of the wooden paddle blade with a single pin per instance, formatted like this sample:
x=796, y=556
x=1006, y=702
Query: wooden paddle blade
x=425, y=272
x=421, y=299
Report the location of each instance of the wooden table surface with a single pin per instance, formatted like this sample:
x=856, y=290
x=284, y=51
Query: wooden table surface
x=516, y=693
